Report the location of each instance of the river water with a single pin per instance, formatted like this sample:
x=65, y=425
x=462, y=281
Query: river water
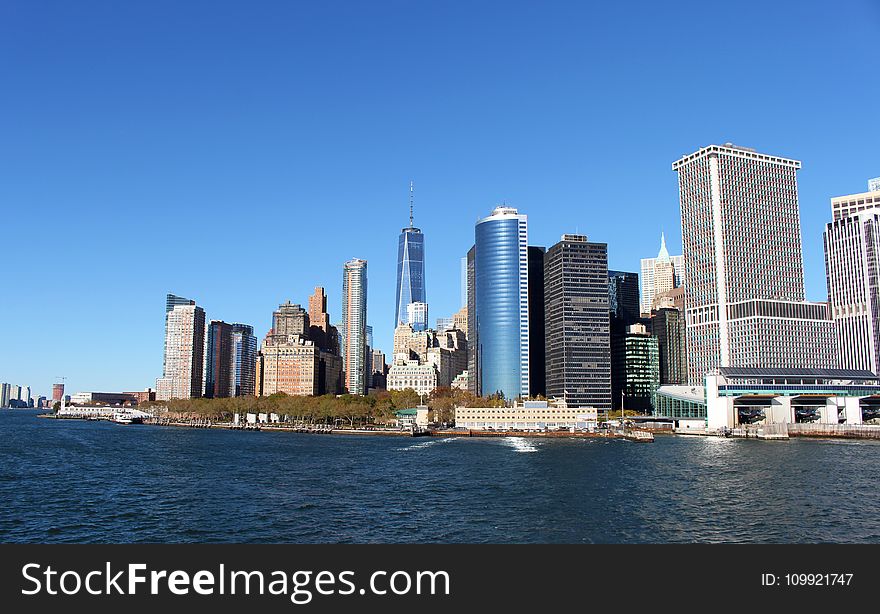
x=81, y=481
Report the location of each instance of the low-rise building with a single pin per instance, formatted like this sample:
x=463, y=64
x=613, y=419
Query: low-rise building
x=527, y=416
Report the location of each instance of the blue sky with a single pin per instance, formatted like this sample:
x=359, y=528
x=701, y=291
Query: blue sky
x=239, y=152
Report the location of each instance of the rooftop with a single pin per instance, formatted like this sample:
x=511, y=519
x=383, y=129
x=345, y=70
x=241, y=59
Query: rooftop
x=850, y=374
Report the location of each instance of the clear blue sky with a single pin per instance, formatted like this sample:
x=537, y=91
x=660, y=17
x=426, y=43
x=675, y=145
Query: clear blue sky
x=239, y=152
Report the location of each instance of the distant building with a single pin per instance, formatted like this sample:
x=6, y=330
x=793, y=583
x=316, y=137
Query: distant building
x=4, y=395
x=526, y=416
x=219, y=369
x=405, y=374
x=668, y=326
x=354, y=323
x=184, y=354
x=445, y=323
x=639, y=378
x=410, y=270
x=852, y=266
x=537, y=368
x=297, y=367
x=460, y=320
x=741, y=237
x=578, y=355
x=659, y=275
x=171, y=301
x=243, y=361
x=58, y=390
x=623, y=297
x=417, y=316
x=321, y=331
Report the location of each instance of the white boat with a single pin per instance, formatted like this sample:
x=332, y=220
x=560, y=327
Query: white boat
x=125, y=417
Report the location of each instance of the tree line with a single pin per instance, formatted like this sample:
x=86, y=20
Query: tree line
x=353, y=410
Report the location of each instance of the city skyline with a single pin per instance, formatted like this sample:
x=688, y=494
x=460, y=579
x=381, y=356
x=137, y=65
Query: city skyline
x=126, y=148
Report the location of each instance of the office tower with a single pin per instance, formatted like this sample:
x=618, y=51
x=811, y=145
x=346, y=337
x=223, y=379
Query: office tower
x=852, y=267
x=218, y=360
x=291, y=366
x=639, y=378
x=745, y=304
x=184, y=354
x=460, y=320
x=667, y=325
x=410, y=268
x=660, y=275
x=377, y=361
x=623, y=296
x=578, y=356
x=537, y=370
x=4, y=395
x=473, y=335
x=445, y=324
x=501, y=294
x=58, y=390
x=321, y=331
x=417, y=316
x=244, y=361
x=354, y=325
x=171, y=301
x=463, y=280
x=15, y=393
x=26, y=395
x=290, y=319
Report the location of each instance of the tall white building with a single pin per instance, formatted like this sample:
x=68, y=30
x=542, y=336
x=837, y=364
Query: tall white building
x=852, y=258
x=744, y=287
x=184, y=354
x=354, y=325
x=659, y=275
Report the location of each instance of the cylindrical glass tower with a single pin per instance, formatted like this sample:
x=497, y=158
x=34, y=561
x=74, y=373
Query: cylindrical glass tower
x=501, y=289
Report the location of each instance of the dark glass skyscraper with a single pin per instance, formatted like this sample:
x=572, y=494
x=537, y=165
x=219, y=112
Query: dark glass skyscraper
x=537, y=371
x=410, y=269
x=501, y=296
x=218, y=360
x=623, y=305
x=578, y=355
x=244, y=360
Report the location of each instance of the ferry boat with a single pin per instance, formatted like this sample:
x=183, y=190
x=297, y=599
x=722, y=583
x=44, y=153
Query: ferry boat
x=125, y=417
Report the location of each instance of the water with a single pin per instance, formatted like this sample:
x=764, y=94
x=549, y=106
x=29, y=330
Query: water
x=78, y=481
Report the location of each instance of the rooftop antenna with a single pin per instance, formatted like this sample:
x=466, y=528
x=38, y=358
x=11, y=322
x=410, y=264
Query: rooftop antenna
x=410, y=204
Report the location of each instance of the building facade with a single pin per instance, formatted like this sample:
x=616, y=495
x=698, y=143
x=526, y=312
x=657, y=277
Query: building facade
x=537, y=366
x=576, y=323
x=635, y=384
x=667, y=325
x=354, y=325
x=745, y=303
x=659, y=275
x=184, y=354
x=219, y=369
x=852, y=267
x=501, y=296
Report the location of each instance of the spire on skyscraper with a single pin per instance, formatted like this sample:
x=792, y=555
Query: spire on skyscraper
x=410, y=204
x=664, y=253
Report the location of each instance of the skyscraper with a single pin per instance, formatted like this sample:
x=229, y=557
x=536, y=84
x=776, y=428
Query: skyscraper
x=852, y=266
x=354, y=325
x=659, y=275
x=244, y=359
x=219, y=369
x=576, y=319
x=667, y=325
x=184, y=354
x=474, y=386
x=623, y=296
x=58, y=389
x=171, y=300
x=501, y=293
x=410, y=268
x=638, y=377
x=537, y=369
x=744, y=269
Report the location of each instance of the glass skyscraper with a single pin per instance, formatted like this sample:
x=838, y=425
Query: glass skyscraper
x=501, y=293
x=244, y=360
x=410, y=270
